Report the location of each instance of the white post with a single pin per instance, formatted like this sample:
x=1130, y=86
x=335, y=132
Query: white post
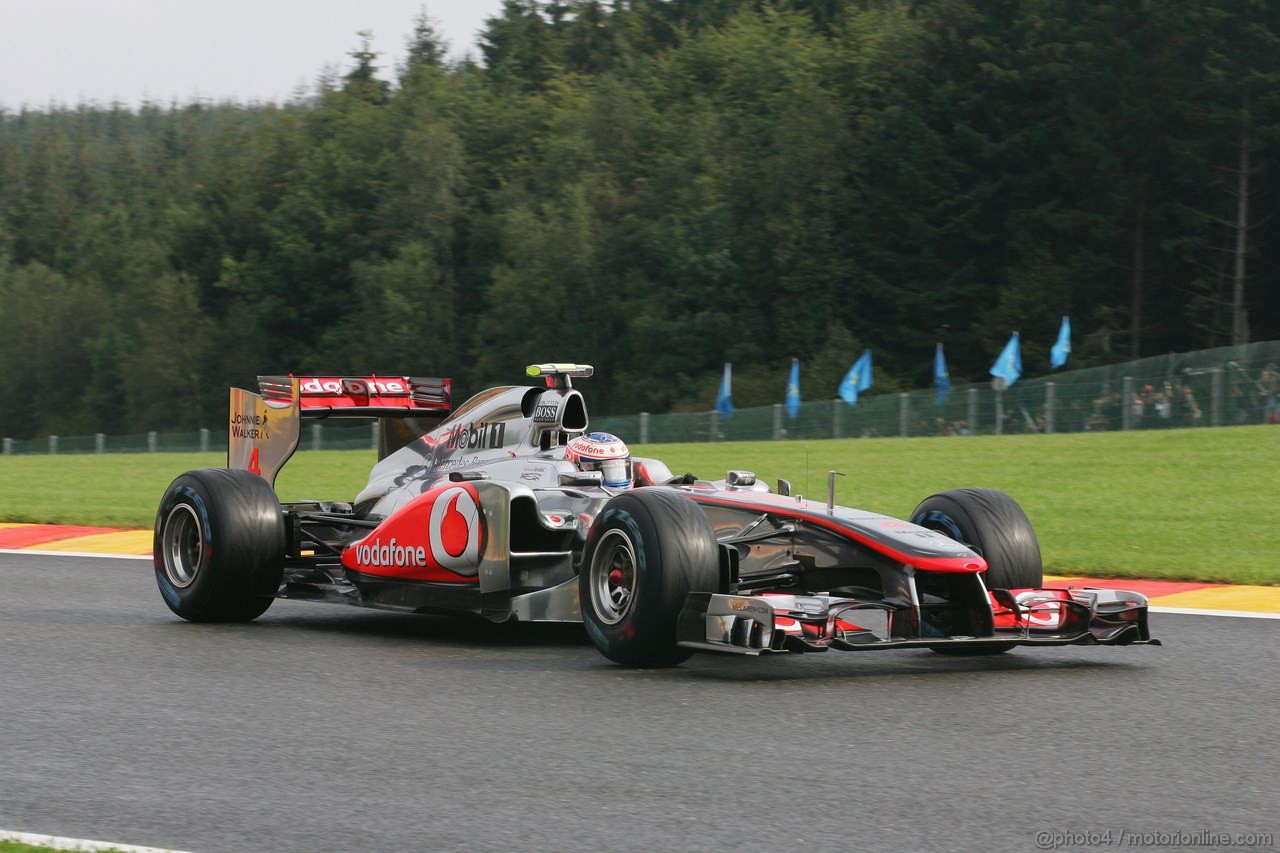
x=53, y=445
x=1048, y=408
x=373, y=435
x=1126, y=413
x=151, y=441
x=99, y=442
x=644, y=427
x=8, y=447
x=1215, y=406
x=903, y=415
x=316, y=441
x=204, y=439
x=973, y=411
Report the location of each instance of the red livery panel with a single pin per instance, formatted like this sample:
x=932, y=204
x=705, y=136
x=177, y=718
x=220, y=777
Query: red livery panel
x=440, y=536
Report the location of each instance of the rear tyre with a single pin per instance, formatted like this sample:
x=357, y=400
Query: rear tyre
x=219, y=545
x=992, y=524
x=645, y=553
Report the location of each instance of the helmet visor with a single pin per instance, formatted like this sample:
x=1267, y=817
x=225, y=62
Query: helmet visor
x=617, y=472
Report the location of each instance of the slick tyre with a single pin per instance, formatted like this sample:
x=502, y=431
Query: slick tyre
x=646, y=551
x=219, y=545
x=991, y=523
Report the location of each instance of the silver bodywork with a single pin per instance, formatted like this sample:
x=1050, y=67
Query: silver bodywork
x=796, y=575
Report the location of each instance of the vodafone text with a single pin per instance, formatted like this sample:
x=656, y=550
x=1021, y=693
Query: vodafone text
x=401, y=556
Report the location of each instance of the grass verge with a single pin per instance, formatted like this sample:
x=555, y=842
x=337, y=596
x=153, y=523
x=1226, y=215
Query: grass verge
x=1176, y=504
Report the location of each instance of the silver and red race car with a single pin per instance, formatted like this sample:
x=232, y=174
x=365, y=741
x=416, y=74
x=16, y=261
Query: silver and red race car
x=478, y=511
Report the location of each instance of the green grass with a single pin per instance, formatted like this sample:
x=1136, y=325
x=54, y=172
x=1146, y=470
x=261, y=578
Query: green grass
x=1177, y=504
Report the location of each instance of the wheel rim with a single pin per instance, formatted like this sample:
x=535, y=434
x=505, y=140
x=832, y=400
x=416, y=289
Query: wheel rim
x=613, y=577
x=936, y=519
x=183, y=546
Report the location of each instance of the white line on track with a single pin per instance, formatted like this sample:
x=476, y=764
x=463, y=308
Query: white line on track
x=146, y=557
x=59, y=843
x=1195, y=611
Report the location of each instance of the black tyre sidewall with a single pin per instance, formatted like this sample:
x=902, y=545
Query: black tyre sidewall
x=243, y=537
x=993, y=524
x=676, y=554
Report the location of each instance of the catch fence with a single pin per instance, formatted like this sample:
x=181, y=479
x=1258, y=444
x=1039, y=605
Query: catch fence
x=1207, y=388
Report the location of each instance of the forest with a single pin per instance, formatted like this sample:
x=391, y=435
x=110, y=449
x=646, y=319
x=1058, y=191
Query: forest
x=656, y=187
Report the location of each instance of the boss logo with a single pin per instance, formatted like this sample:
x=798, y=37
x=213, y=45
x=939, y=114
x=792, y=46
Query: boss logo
x=546, y=413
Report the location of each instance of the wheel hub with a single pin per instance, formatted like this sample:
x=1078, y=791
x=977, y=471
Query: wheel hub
x=182, y=546
x=612, y=578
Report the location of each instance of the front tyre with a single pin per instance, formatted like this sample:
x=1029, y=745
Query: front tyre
x=219, y=545
x=989, y=522
x=647, y=550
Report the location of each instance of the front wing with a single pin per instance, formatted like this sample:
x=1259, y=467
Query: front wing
x=773, y=623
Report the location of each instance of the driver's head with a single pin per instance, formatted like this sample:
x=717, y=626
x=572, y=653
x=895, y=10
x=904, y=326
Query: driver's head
x=603, y=452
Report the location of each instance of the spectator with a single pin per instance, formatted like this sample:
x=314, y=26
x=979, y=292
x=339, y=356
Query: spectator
x=1269, y=393
x=1162, y=403
x=1188, y=409
x=1138, y=408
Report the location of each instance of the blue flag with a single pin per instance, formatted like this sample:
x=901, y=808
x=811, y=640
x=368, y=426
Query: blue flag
x=724, y=400
x=857, y=379
x=941, y=379
x=1008, y=366
x=1058, y=355
x=793, y=390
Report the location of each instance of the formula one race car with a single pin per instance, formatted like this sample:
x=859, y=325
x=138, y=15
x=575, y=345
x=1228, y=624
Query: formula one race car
x=508, y=509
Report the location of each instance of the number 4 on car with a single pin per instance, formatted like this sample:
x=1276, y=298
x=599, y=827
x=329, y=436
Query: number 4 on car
x=509, y=507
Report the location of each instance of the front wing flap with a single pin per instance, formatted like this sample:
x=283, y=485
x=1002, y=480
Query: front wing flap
x=772, y=623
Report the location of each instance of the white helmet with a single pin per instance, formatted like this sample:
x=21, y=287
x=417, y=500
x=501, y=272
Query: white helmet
x=603, y=452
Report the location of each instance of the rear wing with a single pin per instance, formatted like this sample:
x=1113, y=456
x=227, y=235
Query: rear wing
x=361, y=396
x=264, y=429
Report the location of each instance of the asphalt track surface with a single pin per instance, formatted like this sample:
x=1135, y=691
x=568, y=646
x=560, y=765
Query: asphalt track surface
x=323, y=728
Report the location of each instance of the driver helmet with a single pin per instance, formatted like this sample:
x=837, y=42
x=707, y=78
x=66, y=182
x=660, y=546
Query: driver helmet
x=603, y=452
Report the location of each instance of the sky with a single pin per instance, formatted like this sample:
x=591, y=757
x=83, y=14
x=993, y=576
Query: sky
x=75, y=51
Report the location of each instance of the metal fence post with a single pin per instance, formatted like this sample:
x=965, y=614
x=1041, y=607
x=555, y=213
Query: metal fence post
x=903, y=414
x=1126, y=404
x=204, y=439
x=152, y=441
x=373, y=435
x=53, y=445
x=99, y=442
x=777, y=421
x=973, y=411
x=317, y=440
x=1215, y=405
x=836, y=412
x=644, y=427
x=715, y=424
x=1048, y=407
x=8, y=447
